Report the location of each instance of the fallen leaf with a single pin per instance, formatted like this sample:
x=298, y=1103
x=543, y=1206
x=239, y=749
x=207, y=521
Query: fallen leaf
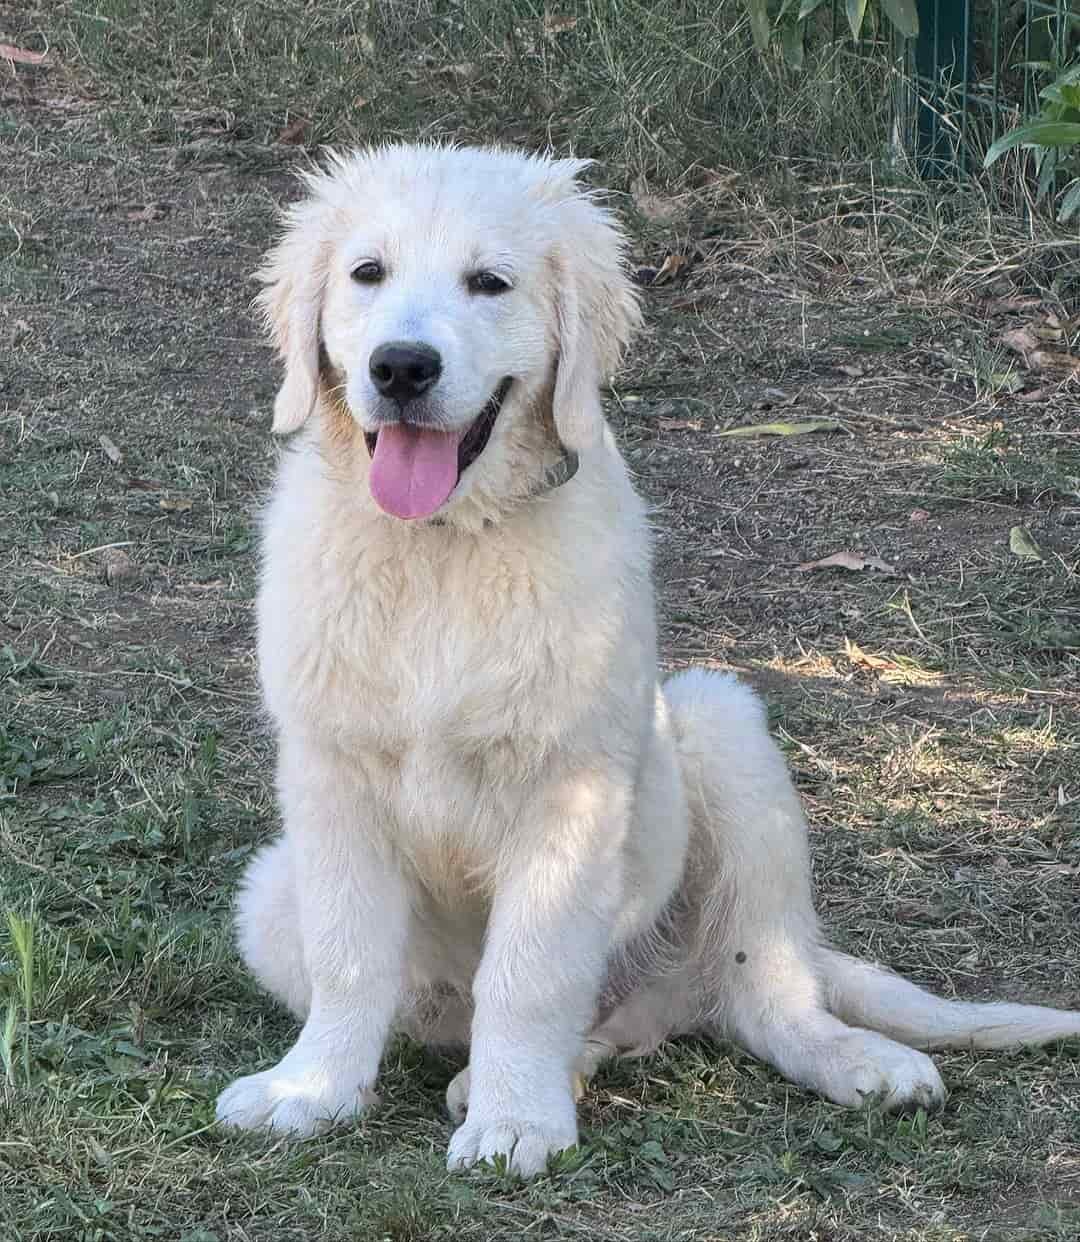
x=21, y=56
x=1022, y=545
x=919, y=515
x=176, y=504
x=1026, y=342
x=1020, y=340
x=784, y=429
x=111, y=451
x=670, y=268
x=849, y=560
x=1046, y=360
x=678, y=424
x=558, y=23
x=1049, y=332
x=865, y=658
x=293, y=134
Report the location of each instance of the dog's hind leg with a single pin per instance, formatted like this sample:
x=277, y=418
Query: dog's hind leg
x=758, y=947
x=268, y=927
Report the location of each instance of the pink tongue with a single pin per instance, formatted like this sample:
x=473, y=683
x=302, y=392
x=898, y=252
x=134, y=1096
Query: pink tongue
x=413, y=470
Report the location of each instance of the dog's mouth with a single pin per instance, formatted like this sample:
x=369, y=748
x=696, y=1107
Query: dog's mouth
x=414, y=469
x=475, y=439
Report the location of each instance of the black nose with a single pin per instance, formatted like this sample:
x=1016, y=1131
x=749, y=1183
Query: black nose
x=403, y=370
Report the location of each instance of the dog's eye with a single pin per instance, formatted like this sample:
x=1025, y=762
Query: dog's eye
x=487, y=282
x=370, y=272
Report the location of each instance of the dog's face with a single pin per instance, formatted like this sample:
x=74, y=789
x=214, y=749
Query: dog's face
x=447, y=302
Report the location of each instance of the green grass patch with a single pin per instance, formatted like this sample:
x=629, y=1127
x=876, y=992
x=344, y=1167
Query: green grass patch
x=999, y=466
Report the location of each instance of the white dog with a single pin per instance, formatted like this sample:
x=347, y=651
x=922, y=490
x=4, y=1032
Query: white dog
x=499, y=830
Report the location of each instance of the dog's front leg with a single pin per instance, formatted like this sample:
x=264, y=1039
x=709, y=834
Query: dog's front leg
x=536, y=988
x=352, y=912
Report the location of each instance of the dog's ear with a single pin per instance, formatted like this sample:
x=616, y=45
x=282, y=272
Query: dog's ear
x=596, y=311
x=294, y=273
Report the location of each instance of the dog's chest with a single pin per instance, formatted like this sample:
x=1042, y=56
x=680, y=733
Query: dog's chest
x=479, y=659
x=449, y=703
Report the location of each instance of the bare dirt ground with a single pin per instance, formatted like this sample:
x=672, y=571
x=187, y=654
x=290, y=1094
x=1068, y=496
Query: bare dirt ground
x=927, y=696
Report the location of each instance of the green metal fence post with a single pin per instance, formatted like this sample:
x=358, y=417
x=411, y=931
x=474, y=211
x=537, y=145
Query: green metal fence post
x=942, y=65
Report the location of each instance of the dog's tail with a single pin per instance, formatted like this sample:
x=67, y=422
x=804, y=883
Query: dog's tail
x=868, y=996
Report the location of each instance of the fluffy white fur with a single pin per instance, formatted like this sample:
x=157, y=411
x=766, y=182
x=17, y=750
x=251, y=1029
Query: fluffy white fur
x=498, y=829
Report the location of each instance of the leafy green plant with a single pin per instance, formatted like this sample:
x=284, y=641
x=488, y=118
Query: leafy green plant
x=1054, y=136
x=786, y=19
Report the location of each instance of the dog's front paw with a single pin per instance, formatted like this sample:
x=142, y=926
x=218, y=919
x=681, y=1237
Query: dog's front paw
x=525, y=1142
x=295, y=1098
x=457, y=1093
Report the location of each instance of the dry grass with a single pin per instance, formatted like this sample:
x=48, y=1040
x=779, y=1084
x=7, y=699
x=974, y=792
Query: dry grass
x=930, y=715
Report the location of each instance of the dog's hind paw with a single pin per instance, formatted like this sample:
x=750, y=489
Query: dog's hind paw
x=457, y=1096
x=866, y=1066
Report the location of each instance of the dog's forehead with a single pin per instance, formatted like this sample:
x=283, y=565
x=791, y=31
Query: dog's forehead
x=461, y=224
x=446, y=211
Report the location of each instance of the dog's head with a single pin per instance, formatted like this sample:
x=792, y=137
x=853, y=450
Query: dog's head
x=452, y=309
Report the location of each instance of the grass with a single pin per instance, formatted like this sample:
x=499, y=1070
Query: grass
x=648, y=79
x=997, y=466
x=930, y=716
